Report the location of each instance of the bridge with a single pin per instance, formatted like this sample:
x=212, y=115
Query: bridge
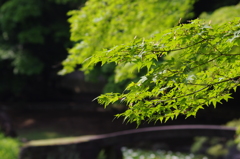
x=88, y=147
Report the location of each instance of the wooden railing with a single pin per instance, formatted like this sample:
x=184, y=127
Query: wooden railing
x=88, y=147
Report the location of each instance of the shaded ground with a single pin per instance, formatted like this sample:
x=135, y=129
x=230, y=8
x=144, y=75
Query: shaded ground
x=38, y=125
x=75, y=115
x=67, y=120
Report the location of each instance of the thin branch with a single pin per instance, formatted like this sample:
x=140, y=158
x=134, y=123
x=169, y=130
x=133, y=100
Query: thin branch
x=181, y=48
x=184, y=95
x=203, y=84
x=223, y=54
x=207, y=86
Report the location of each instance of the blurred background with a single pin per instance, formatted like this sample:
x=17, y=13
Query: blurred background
x=38, y=103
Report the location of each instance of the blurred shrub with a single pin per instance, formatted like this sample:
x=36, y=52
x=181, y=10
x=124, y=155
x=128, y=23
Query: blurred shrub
x=9, y=147
x=218, y=147
x=236, y=123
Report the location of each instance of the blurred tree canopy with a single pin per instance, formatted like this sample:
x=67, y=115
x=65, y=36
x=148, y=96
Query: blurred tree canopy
x=102, y=25
x=35, y=37
x=33, y=42
x=176, y=68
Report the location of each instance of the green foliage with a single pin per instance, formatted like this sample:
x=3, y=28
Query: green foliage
x=214, y=147
x=222, y=15
x=25, y=28
x=34, y=36
x=100, y=25
x=23, y=62
x=63, y=1
x=203, y=72
x=9, y=147
x=14, y=16
x=183, y=68
x=236, y=123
